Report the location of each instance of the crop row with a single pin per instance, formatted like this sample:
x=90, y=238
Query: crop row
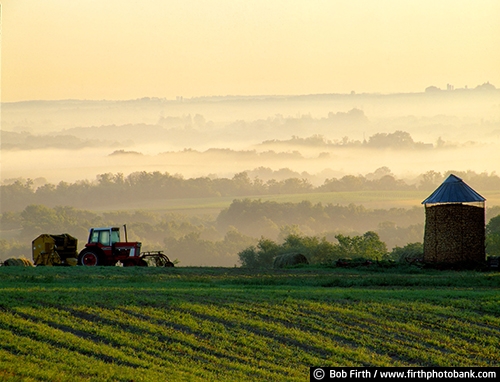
x=215, y=337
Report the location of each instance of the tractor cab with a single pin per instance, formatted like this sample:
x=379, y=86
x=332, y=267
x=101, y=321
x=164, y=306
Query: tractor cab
x=104, y=236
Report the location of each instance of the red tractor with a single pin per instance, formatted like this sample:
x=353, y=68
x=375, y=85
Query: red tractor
x=105, y=248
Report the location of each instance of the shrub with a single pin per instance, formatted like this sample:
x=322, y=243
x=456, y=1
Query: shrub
x=260, y=256
x=409, y=253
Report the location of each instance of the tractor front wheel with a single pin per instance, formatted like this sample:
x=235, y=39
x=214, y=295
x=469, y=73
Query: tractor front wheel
x=89, y=258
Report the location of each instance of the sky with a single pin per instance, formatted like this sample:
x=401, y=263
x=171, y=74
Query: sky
x=127, y=49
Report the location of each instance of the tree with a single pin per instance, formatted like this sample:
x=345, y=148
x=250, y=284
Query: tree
x=398, y=139
x=368, y=246
x=430, y=180
x=493, y=237
x=260, y=256
x=10, y=220
x=38, y=219
x=372, y=247
x=235, y=241
x=191, y=249
x=17, y=195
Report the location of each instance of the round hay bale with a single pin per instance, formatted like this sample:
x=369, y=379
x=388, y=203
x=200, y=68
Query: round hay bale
x=411, y=258
x=18, y=262
x=289, y=260
x=12, y=262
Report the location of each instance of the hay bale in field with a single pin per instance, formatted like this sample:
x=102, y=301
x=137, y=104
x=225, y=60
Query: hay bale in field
x=454, y=228
x=18, y=262
x=289, y=259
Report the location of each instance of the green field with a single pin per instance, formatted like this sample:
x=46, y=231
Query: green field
x=152, y=324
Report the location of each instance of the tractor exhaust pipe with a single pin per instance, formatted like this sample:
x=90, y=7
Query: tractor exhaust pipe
x=125, y=230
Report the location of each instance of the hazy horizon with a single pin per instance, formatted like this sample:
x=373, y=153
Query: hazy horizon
x=54, y=50
x=318, y=135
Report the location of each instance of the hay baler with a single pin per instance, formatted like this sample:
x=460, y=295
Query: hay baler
x=50, y=249
x=104, y=247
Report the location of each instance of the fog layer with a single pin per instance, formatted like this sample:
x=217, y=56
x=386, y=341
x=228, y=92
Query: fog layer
x=325, y=135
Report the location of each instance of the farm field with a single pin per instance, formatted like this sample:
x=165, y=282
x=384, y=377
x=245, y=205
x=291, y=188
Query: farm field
x=150, y=324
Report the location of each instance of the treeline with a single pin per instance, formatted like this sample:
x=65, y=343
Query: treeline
x=27, y=141
x=195, y=240
x=399, y=140
x=179, y=131
x=252, y=218
x=348, y=250
x=111, y=188
x=267, y=218
x=364, y=248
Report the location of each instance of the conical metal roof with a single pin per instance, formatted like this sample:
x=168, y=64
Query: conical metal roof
x=454, y=190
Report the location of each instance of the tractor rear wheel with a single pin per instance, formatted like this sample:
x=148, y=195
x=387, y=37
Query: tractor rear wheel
x=89, y=258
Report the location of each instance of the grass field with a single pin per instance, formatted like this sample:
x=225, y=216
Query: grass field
x=152, y=324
